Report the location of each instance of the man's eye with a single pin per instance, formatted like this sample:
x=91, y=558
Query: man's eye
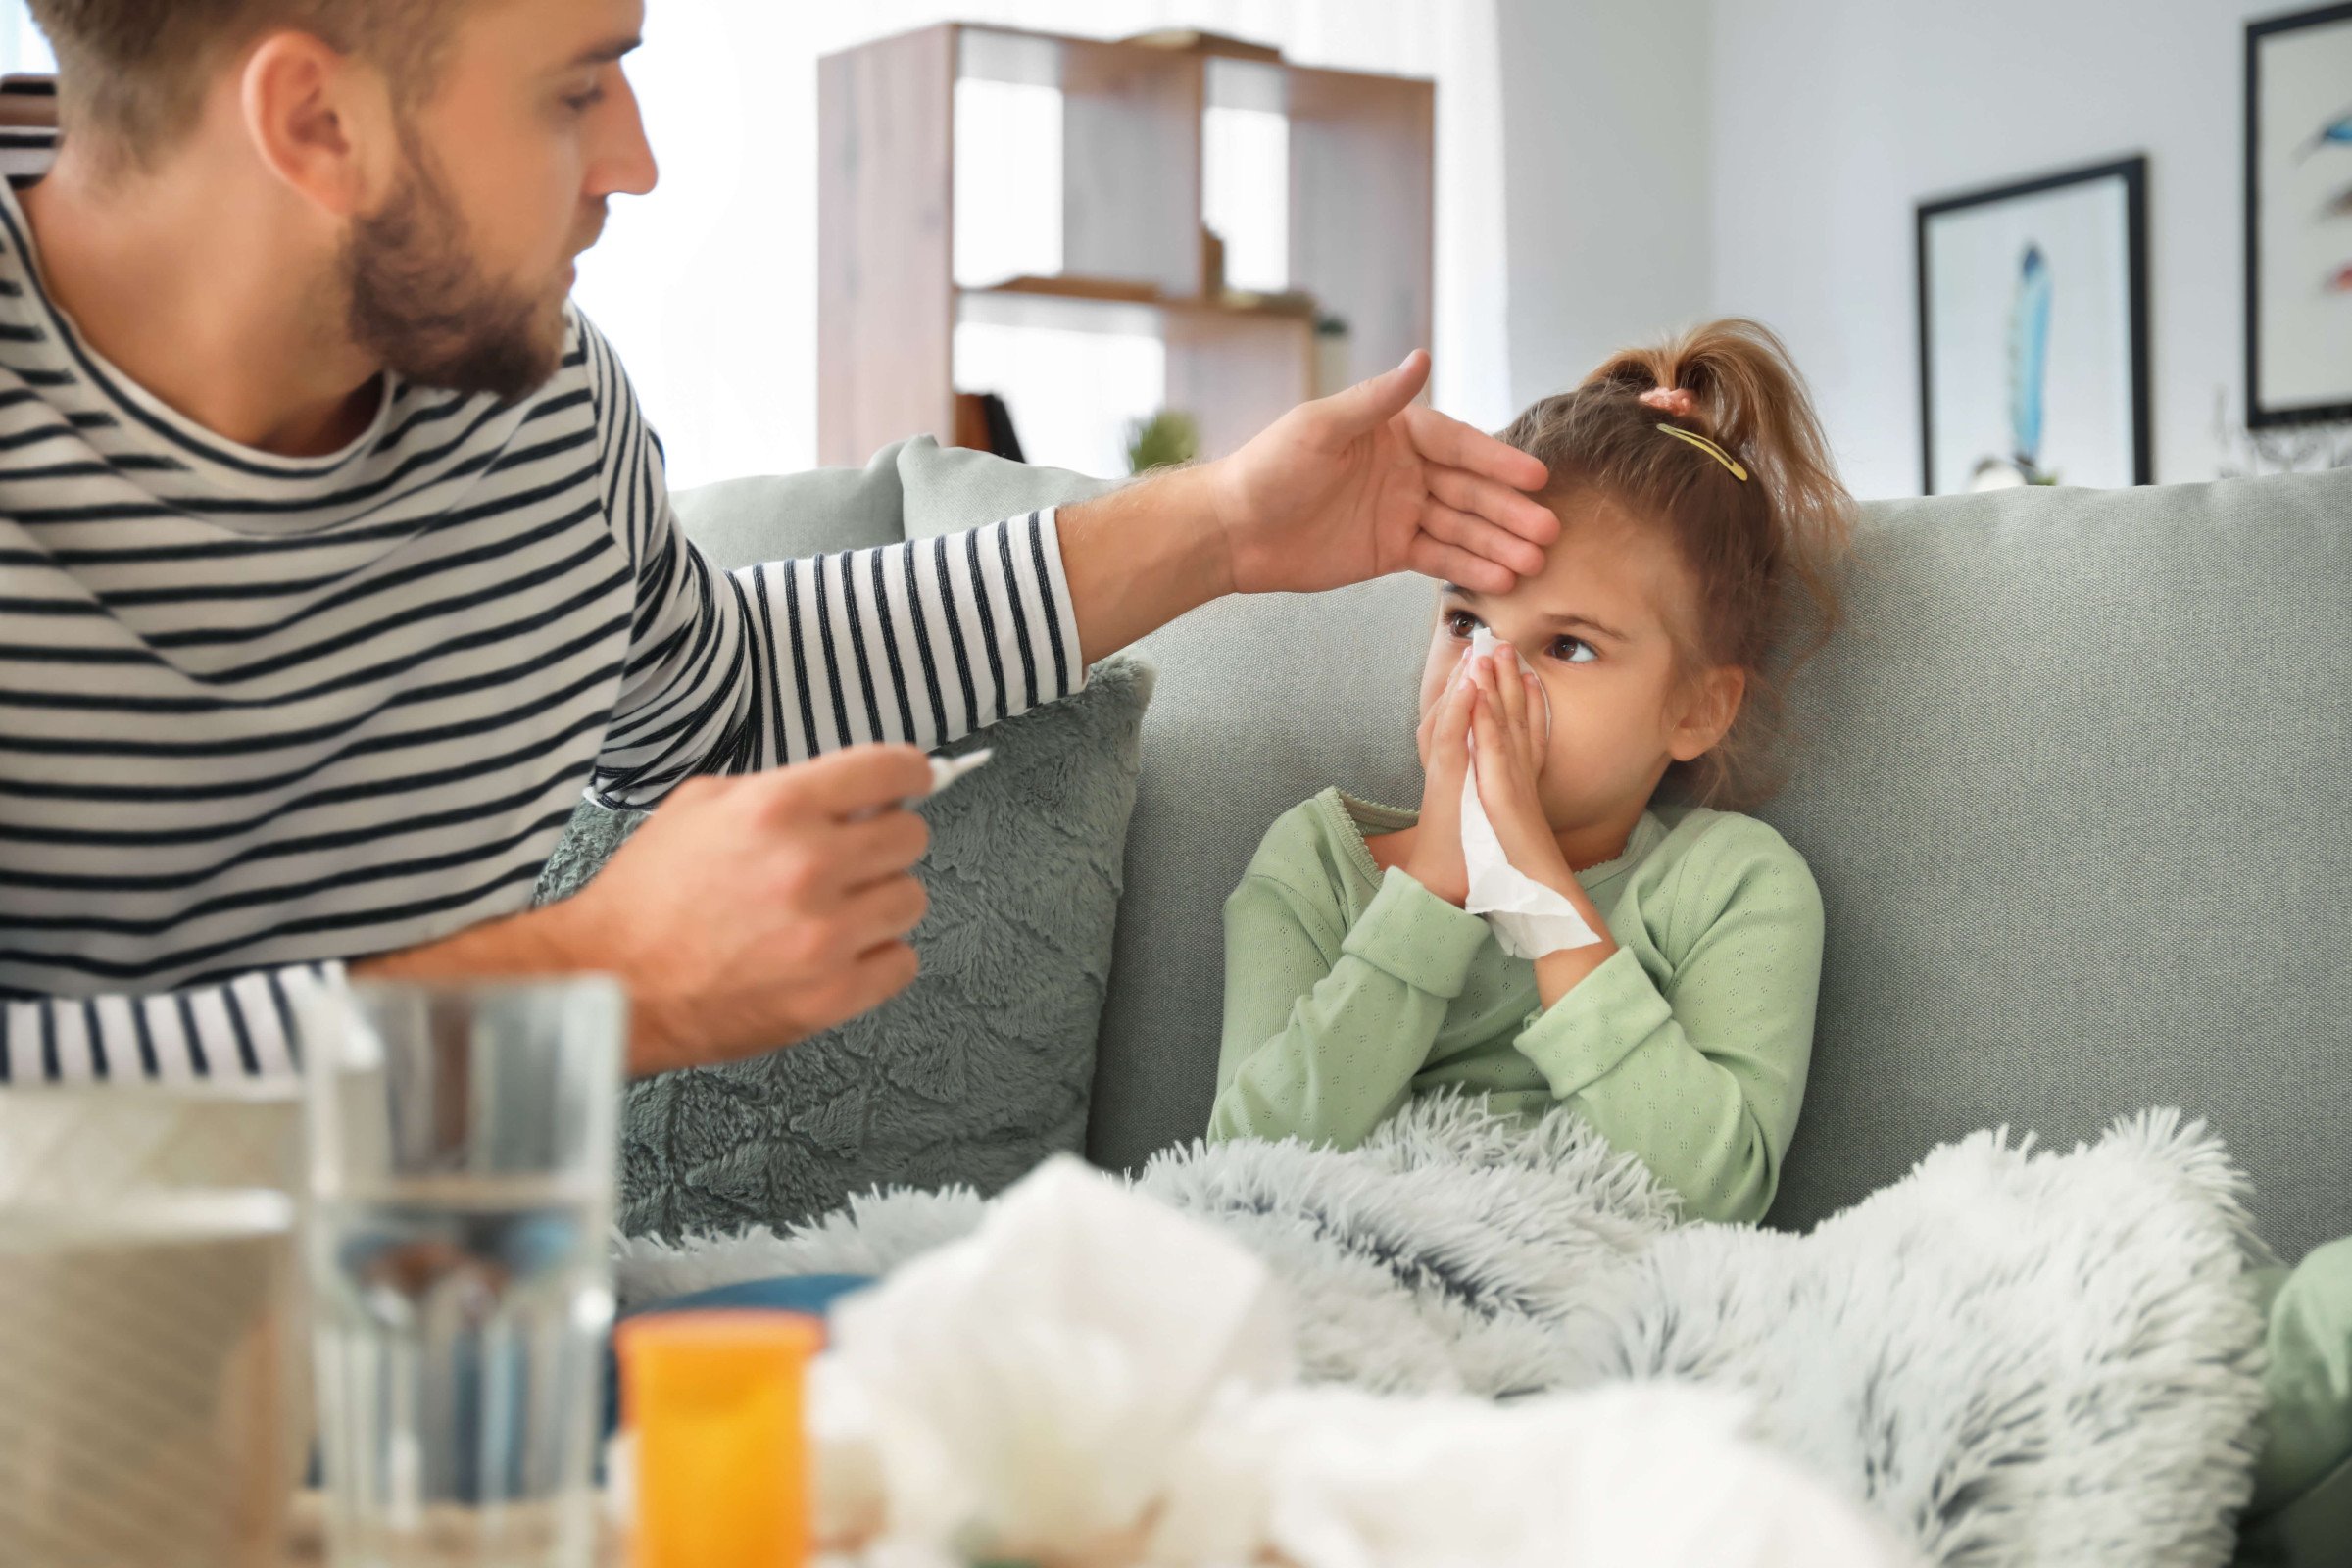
x=581, y=102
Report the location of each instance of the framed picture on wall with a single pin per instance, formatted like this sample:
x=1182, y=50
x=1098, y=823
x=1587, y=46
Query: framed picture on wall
x=2033, y=332
x=2299, y=217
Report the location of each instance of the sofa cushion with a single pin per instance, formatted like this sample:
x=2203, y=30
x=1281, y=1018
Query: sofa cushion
x=979, y=1070
x=2072, y=782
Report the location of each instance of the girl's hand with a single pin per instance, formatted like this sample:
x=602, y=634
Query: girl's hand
x=1510, y=759
x=1435, y=860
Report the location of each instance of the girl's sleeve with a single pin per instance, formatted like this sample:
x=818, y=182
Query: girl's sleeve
x=1701, y=1079
x=1325, y=1025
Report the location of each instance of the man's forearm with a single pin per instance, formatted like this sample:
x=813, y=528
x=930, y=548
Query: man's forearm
x=536, y=943
x=1140, y=556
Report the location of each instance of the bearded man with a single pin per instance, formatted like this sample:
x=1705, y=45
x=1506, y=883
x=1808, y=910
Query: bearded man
x=336, y=562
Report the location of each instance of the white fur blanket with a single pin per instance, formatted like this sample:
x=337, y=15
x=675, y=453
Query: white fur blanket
x=2013, y=1356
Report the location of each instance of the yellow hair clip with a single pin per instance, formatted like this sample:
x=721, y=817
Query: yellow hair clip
x=1708, y=447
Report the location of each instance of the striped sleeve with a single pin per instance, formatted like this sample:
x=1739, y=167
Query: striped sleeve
x=922, y=641
x=243, y=1028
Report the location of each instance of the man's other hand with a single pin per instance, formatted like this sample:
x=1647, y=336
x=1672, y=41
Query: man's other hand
x=753, y=912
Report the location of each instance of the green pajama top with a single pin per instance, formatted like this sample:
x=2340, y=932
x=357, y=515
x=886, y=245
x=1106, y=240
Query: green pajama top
x=1349, y=991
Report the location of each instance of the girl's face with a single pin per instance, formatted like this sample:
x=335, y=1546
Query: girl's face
x=1592, y=627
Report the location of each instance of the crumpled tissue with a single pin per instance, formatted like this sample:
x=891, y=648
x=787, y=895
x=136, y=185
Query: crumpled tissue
x=1528, y=918
x=1024, y=1392
x=1630, y=1474
x=1092, y=1380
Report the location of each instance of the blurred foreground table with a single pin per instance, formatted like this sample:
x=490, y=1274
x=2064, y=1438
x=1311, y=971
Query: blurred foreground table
x=306, y=1538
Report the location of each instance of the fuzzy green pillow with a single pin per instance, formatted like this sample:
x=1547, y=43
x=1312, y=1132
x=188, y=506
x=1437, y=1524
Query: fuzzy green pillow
x=982, y=1067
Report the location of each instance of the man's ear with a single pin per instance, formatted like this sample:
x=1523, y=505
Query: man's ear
x=320, y=120
x=1708, y=716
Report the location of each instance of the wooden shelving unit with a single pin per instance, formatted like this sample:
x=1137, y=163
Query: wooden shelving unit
x=1360, y=183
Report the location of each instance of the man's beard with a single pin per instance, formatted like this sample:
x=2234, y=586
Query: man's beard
x=421, y=303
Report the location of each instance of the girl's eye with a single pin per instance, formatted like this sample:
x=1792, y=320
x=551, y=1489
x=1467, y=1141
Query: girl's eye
x=1461, y=623
x=1566, y=649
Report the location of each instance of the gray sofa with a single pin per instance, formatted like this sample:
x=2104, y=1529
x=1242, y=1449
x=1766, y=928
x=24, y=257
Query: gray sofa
x=2073, y=780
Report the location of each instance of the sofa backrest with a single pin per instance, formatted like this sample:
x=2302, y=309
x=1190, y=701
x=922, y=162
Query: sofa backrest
x=2073, y=780
x=911, y=490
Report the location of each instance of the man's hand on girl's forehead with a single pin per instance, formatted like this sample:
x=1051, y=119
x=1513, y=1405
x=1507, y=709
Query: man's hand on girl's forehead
x=1370, y=482
x=1474, y=479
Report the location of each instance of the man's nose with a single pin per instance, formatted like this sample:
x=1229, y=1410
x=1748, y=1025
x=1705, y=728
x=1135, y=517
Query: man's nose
x=625, y=165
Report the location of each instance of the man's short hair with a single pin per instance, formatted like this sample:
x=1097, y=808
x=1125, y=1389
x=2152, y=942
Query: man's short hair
x=132, y=73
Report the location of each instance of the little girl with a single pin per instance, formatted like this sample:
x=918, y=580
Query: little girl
x=1615, y=735
x=1699, y=513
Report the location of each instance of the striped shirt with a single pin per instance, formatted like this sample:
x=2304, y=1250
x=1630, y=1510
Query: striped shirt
x=260, y=715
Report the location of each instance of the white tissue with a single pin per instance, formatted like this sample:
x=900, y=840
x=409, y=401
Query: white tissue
x=1528, y=918
x=1024, y=1392
x=1620, y=1476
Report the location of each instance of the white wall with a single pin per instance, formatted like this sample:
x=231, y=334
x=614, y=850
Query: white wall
x=1606, y=131
x=1832, y=118
x=1679, y=159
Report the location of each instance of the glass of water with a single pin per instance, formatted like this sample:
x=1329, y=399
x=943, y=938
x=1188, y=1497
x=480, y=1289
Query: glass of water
x=462, y=1146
